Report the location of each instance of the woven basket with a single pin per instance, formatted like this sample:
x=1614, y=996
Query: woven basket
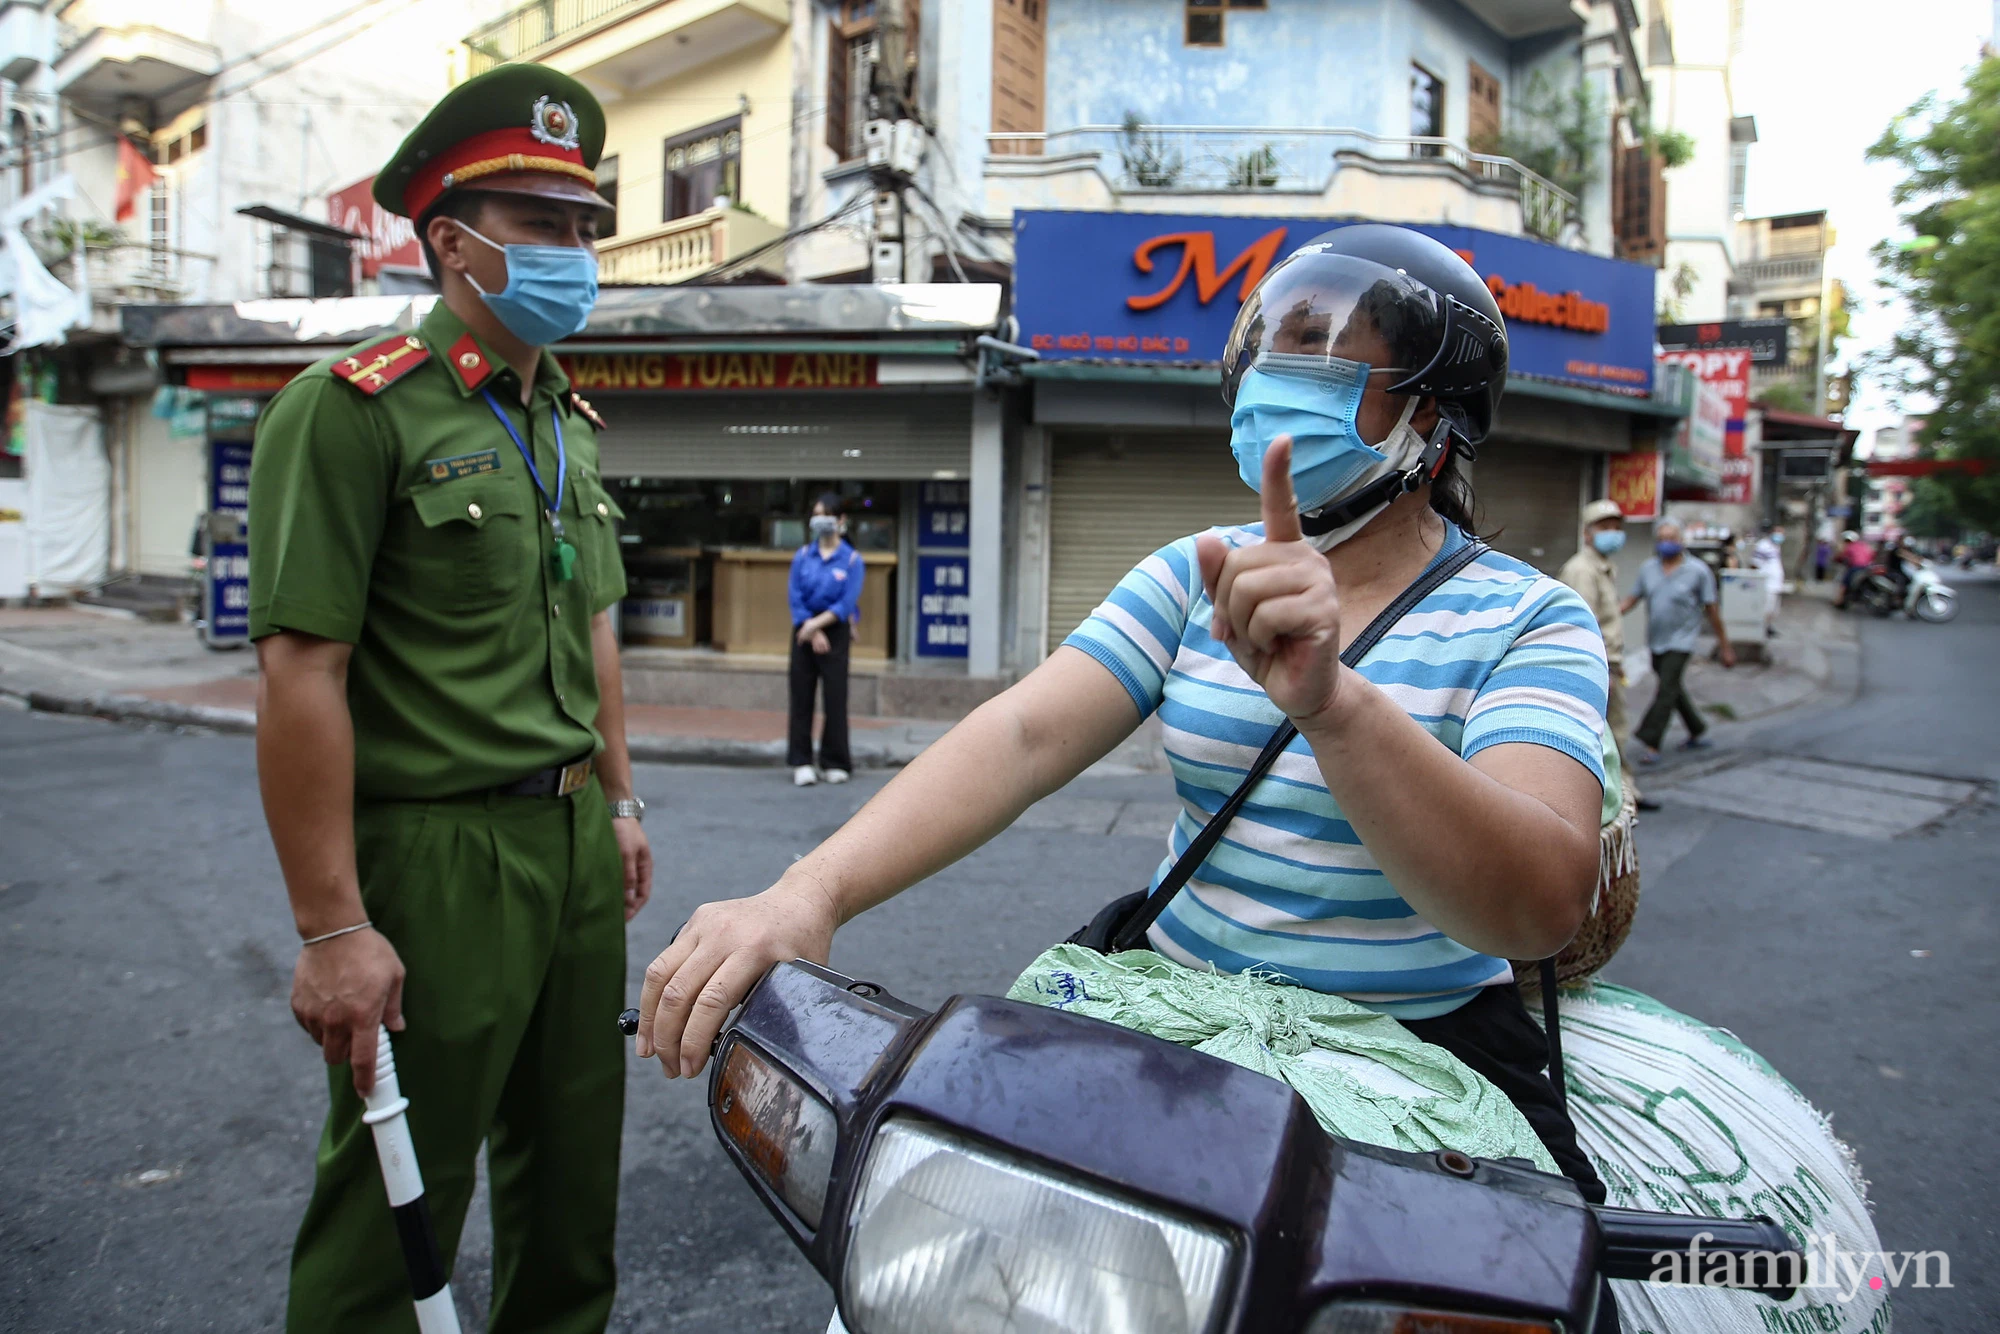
x=1611, y=910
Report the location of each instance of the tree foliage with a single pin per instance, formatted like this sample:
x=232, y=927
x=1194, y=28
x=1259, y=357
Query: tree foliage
x=1556, y=132
x=1949, y=351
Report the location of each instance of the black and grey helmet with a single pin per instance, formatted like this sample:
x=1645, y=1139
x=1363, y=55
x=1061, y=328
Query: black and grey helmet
x=1445, y=333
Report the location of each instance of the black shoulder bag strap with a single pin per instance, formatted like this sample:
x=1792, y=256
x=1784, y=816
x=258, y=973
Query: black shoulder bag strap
x=1133, y=931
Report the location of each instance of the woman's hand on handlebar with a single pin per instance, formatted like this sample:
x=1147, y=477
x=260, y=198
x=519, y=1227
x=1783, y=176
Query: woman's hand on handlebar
x=722, y=952
x=1276, y=607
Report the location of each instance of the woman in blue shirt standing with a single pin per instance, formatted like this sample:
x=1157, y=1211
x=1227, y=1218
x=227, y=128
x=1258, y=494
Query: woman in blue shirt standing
x=826, y=602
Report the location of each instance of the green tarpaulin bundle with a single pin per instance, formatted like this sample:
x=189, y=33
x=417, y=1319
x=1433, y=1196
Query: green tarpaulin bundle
x=1364, y=1075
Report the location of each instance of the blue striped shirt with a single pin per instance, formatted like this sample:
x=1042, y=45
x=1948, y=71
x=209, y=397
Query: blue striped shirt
x=1501, y=653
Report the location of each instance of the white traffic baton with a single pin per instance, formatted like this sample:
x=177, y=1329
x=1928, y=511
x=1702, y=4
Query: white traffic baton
x=386, y=1104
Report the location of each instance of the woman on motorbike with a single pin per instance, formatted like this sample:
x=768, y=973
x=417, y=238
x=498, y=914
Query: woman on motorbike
x=1438, y=813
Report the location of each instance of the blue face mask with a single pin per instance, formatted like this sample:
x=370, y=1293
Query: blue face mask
x=1667, y=550
x=550, y=290
x=1317, y=409
x=1608, y=540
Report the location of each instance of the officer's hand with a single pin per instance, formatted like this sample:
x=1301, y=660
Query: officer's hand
x=638, y=857
x=342, y=989
x=720, y=954
x=1276, y=608
x=820, y=643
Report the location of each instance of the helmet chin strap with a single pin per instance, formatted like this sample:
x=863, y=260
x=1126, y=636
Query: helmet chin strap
x=1383, y=490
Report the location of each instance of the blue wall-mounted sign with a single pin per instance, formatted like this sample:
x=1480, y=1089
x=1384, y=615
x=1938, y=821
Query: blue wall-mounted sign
x=226, y=590
x=944, y=516
x=944, y=606
x=1150, y=287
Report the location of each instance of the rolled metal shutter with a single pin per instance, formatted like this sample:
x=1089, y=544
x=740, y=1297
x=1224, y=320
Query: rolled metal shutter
x=1115, y=499
x=877, y=436
x=1533, y=496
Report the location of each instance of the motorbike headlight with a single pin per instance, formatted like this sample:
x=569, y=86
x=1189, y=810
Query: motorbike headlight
x=949, y=1238
x=783, y=1130
x=1385, y=1318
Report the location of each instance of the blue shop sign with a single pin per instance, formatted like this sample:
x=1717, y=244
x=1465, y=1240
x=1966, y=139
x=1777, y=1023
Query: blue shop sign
x=1149, y=287
x=944, y=606
x=944, y=516
x=226, y=601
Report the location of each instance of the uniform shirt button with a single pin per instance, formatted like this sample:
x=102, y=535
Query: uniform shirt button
x=474, y=511
x=603, y=509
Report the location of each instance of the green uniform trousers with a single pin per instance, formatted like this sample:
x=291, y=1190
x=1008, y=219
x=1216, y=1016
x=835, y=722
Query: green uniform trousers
x=509, y=916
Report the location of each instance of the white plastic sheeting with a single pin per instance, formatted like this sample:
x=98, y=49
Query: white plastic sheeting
x=44, y=309
x=69, y=498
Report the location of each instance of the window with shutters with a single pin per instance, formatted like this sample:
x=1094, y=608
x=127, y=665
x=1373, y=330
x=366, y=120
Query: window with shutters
x=851, y=51
x=607, y=185
x=702, y=166
x=1020, y=47
x=1482, y=109
x=1638, y=202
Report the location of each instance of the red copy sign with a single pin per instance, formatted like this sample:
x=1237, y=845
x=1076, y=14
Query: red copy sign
x=1728, y=370
x=386, y=238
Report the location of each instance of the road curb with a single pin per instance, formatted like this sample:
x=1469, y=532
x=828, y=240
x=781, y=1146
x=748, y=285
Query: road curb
x=868, y=754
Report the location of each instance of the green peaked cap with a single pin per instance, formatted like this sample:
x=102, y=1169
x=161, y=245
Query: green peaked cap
x=560, y=134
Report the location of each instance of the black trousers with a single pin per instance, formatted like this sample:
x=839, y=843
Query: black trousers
x=828, y=672
x=1494, y=1034
x=1671, y=698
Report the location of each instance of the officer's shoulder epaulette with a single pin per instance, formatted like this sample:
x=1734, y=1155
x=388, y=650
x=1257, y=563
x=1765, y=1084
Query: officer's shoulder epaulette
x=582, y=405
x=375, y=366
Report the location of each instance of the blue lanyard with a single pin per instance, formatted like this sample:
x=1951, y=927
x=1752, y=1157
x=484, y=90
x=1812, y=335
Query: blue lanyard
x=562, y=458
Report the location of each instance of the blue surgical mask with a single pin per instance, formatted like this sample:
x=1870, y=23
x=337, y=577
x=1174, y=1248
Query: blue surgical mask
x=1668, y=549
x=550, y=290
x=1317, y=408
x=823, y=525
x=1608, y=540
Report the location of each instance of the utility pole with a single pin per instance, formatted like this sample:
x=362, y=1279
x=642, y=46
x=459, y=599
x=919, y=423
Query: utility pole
x=895, y=143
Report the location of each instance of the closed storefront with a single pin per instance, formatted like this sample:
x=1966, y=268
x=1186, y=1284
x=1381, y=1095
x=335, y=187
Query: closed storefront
x=1530, y=497
x=1117, y=497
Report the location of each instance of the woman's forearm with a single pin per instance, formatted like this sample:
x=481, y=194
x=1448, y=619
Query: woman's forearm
x=973, y=782
x=1497, y=869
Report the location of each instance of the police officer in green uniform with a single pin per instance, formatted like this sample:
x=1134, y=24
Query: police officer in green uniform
x=441, y=741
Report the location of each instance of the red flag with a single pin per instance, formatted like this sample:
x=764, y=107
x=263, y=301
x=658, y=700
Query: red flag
x=135, y=174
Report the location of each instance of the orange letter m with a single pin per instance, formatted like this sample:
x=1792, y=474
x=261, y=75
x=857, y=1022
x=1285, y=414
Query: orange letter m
x=1198, y=258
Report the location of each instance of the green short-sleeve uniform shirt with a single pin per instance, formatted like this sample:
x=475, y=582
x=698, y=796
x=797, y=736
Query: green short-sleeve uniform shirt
x=391, y=510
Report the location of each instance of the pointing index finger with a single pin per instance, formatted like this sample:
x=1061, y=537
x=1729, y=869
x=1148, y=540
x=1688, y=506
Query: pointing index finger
x=1281, y=504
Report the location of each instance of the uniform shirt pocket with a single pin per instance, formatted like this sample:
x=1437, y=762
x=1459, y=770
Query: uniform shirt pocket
x=478, y=544
x=596, y=520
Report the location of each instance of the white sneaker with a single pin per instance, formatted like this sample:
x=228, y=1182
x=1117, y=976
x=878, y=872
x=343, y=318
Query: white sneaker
x=804, y=776
x=837, y=775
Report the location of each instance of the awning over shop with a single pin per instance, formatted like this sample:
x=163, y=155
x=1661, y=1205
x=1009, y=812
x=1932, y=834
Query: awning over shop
x=916, y=311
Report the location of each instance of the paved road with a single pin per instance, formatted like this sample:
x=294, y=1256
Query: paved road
x=158, y=1107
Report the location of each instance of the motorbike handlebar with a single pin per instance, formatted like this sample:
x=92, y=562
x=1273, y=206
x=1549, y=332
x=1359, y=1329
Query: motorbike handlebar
x=1754, y=1254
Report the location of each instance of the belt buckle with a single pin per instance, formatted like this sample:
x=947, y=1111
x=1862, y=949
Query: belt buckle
x=574, y=776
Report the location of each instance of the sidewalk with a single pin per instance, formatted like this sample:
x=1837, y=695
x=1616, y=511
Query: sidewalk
x=99, y=663
x=1816, y=655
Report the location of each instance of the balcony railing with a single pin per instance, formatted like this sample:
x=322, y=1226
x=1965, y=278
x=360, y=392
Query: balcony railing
x=1761, y=273
x=685, y=247
x=520, y=31
x=1218, y=159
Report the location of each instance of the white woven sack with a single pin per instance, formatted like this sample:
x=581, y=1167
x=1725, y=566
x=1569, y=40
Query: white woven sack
x=1682, y=1117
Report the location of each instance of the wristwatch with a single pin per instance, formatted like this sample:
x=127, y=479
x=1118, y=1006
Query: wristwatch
x=630, y=808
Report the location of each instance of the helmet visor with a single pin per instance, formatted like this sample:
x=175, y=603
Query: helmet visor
x=1319, y=315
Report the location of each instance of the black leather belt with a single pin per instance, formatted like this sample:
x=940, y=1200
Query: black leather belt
x=557, y=782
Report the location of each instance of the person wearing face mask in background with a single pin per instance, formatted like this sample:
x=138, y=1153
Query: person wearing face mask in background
x=1592, y=575
x=441, y=742
x=1438, y=811
x=826, y=600
x=1768, y=559
x=1678, y=591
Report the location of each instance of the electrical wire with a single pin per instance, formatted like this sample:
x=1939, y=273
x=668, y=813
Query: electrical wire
x=716, y=274
x=943, y=234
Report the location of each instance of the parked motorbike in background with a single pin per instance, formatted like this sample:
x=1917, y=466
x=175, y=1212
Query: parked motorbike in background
x=998, y=1166
x=1928, y=598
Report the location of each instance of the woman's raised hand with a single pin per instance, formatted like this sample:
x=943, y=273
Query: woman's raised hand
x=722, y=952
x=1276, y=608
